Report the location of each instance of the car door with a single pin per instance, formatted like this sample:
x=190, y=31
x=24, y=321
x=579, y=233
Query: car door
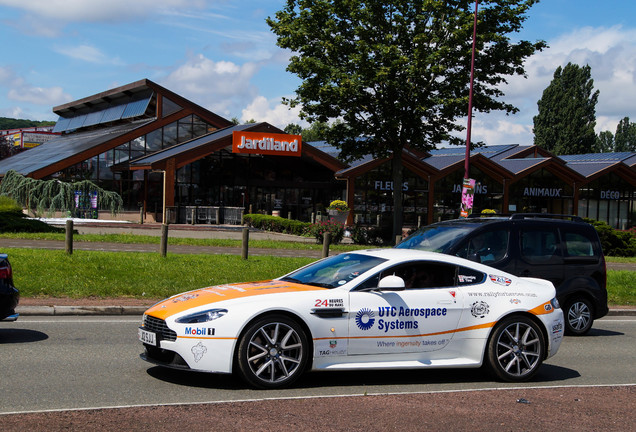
x=422, y=317
x=540, y=254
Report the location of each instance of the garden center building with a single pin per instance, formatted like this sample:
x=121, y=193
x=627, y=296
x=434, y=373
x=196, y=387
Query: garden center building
x=153, y=146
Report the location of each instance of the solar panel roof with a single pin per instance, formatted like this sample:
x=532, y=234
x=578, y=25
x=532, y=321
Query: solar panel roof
x=587, y=169
x=595, y=157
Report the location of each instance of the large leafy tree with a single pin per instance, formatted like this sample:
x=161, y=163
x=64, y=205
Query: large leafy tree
x=625, y=137
x=567, y=112
x=396, y=72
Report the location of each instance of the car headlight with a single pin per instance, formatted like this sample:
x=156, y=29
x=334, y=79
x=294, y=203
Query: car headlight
x=201, y=317
x=555, y=303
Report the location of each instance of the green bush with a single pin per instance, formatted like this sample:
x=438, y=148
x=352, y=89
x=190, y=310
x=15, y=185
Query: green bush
x=318, y=230
x=12, y=220
x=276, y=224
x=369, y=235
x=615, y=242
x=9, y=205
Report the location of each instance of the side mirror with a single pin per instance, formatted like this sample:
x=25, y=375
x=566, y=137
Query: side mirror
x=391, y=283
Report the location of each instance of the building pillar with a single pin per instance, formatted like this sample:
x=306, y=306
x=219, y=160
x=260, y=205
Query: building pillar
x=170, y=175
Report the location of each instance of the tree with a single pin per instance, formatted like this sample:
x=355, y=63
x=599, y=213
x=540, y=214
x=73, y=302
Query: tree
x=317, y=131
x=397, y=72
x=49, y=196
x=567, y=112
x=625, y=137
x=293, y=129
x=604, y=142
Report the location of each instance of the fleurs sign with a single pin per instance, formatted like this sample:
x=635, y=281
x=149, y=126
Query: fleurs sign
x=266, y=143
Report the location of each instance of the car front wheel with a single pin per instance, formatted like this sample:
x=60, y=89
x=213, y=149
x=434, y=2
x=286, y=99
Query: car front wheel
x=578, y=316
x=272, y=352
x=516, y=349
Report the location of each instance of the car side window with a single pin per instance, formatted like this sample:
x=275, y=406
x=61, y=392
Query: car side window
x=468, y=276
x=578, y=245
x=539, y=245
x=418, y=275
x=487, y=247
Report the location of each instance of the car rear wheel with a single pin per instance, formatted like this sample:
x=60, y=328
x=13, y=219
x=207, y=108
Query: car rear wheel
x=516, y=349
x=578, y=316
x=272, y=352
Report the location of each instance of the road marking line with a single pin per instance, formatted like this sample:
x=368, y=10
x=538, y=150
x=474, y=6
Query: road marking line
x=313, y=397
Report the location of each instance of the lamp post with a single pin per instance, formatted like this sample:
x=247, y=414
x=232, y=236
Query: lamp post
x=468, y=189
x=470, y=96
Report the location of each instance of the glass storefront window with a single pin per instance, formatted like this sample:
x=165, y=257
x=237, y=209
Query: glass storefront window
x=122, y=153
x=541, y=192
x=373, y=197
x=448, y=194
x=138, y=145
x=153, y=141
x=106, y=160
x=170, y=135
x=185, y=129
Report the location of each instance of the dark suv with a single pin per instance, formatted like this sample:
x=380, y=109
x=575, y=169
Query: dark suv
x=562, y=249
x=9, y=296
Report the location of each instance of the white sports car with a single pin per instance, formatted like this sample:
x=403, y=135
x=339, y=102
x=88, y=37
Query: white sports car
x=372, y=309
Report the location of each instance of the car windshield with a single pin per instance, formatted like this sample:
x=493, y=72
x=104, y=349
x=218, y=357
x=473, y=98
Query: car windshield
x=435, y=238
x=334, y=271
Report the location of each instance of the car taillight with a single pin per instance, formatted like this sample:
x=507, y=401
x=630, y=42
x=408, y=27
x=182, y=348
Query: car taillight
x=5, y=272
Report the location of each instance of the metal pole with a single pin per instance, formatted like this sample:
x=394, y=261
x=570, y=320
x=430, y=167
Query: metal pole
x=470, y=97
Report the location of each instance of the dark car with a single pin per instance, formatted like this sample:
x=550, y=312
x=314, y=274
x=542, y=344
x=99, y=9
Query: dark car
x=9, y=295
x=562, y=249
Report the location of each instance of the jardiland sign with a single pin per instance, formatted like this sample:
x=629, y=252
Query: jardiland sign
x=266, y=143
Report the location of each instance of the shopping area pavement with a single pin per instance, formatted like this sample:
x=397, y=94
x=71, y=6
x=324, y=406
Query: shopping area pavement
x=88, y=306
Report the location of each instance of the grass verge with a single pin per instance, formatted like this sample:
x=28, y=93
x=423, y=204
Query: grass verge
x=49, y=273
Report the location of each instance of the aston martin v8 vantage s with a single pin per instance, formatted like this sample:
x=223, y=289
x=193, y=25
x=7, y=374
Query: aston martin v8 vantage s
x=373, y=309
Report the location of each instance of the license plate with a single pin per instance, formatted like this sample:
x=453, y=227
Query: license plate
x=147, y=337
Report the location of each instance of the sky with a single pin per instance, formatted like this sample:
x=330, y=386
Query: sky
x=222, y=55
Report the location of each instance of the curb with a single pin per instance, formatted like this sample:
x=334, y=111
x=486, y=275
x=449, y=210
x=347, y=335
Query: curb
x=139, y=310
x=80, y=310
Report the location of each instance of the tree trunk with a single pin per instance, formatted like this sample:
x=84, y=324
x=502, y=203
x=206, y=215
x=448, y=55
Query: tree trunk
x=396, y=167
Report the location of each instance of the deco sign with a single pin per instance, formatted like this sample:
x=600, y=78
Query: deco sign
x=266, y=143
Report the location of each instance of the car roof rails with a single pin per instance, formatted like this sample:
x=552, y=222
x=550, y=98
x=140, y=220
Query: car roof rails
x=573, y=218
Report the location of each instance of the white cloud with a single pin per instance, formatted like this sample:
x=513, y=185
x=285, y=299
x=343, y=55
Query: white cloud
x=273, y=112
x=49, y=17
x=99, y=10
x=22, y=91
x=223, y=87
x=50, y=96
x=88, y=54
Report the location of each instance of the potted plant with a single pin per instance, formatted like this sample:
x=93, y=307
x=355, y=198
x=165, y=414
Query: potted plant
x=338, y=210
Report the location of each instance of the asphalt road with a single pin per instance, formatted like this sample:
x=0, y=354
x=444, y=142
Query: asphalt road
x=52, y=363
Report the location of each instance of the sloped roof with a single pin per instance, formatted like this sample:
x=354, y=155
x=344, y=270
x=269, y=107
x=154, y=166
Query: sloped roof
x=517, y=166
x=63, y=147
x=587, y=169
